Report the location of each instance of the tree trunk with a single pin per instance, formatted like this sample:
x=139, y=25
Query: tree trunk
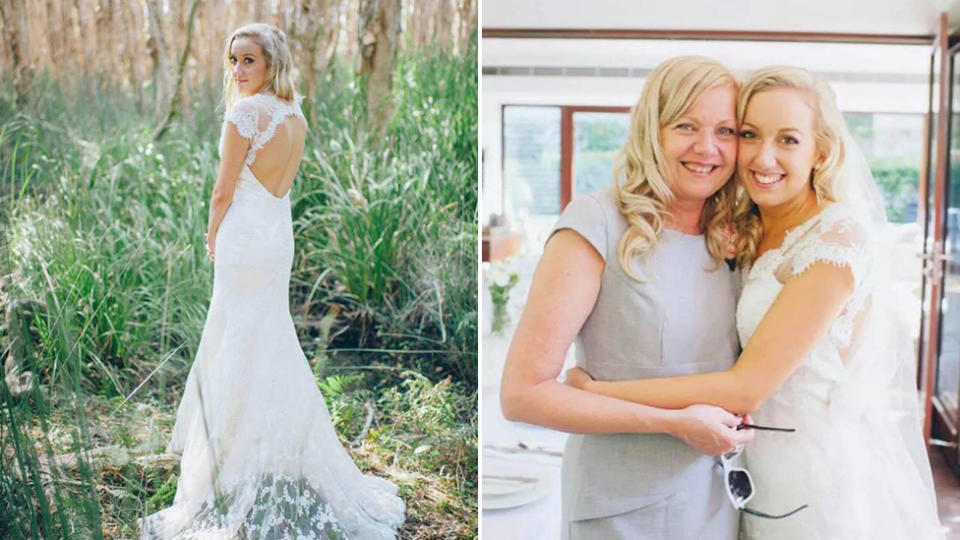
x=315, y=29
x=331, y=33
x=444, y=30
x=55, y=39
x=157, y=49
x=131, y=43
x=104, y=39
x=467, y=14
x=175, y=95
x=379, y=32
x=16, y=35
x=352, y=16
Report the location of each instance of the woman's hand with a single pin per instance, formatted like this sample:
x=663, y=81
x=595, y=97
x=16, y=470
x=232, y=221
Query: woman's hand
x=211, y=244
x=578, y=378
x=710, y=429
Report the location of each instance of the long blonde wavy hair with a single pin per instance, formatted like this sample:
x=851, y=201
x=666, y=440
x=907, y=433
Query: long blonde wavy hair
x=280, y=77
x=830, y=132
x=642, y=193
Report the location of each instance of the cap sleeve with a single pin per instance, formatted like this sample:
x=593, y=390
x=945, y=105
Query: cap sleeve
x=843, y=242
x=840, y=242
x=243, y=115
x=585, y=216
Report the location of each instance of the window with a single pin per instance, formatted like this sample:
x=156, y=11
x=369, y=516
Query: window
x=598, y=137
x=531, y=159
x=892, y=145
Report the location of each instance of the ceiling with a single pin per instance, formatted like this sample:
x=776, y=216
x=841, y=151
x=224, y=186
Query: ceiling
x=896, y=17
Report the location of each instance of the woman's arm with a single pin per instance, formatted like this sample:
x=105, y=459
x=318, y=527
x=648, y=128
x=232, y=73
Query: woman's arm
x=231, y=162
x=802, y=313
x=564, y=290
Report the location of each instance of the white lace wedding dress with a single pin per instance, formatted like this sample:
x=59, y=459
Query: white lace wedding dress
x=853, y=459
x=260, y=458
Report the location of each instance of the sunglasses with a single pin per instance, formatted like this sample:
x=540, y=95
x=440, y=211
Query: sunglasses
x=738, y=482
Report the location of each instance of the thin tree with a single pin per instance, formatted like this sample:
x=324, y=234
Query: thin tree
x=16, y=35
x=175, y=101
x=157, y=48
x=379, y=32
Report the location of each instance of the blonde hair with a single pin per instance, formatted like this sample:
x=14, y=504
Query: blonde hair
x=830, y=132
x=642, y=193
x=280, y=73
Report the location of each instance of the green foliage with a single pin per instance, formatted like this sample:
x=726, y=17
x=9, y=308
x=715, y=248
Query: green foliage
x=392, y=231
x=102, y=231
x=899, y=186
x=163, y=497
x=335, y=385
x=427, y=429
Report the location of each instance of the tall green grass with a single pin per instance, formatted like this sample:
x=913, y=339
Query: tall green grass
x=101, y=233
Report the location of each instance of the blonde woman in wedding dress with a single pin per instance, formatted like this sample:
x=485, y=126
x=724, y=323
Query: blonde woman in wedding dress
x=259, y=455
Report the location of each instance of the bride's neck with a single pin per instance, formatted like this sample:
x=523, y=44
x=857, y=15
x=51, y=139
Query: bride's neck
x=778, y=219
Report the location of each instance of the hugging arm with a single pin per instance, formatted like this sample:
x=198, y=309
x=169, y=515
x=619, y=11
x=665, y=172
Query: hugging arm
x=801, y=314
x=564, y=291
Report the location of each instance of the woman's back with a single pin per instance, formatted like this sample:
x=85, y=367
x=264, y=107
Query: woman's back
x=277, y=131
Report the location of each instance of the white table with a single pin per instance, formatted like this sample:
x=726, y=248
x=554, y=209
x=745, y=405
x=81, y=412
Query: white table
x=536, y=520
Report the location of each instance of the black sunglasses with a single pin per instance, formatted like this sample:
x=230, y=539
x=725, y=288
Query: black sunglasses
x=738, y=482
x=764, y=428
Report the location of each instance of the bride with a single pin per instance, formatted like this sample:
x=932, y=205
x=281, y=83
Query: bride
x=259, y=456
x=822, y=358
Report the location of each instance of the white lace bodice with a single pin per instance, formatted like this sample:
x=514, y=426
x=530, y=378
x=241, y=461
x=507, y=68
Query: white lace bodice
x=256, y=118
x=834, y=402
x=834, y=236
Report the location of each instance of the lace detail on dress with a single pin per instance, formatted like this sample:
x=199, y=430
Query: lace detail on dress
x=835, y=400
x=283, y=508
x=243, y=115
x=838, y=239
x=256, y=118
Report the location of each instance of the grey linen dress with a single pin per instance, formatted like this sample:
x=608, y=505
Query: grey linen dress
x=680, y=320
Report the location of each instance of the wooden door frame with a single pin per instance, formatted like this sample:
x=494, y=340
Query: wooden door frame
x=712, y=35
x=935, y=263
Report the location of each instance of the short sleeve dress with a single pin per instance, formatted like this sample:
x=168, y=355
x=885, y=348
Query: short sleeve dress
x=678, y=320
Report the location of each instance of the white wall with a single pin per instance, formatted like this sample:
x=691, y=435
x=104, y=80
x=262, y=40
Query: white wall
x=846, y=16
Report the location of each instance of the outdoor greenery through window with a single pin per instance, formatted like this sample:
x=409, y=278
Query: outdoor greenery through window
x=597, y=137
x=892, y=144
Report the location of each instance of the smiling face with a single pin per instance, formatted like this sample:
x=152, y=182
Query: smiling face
x=778, y=148
x=249, y=65
x=700, y=147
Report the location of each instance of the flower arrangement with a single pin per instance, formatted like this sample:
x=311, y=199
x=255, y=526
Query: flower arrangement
x=500, y=281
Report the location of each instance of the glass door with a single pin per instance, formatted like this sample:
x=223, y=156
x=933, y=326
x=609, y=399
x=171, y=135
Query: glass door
x=939, y=350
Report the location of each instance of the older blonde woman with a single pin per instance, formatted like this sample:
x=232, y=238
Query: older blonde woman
x=821, y=352
x=260, y=458
x=635, y=276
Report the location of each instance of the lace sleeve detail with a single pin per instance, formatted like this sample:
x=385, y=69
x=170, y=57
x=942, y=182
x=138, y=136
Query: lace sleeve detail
x=243, y=115
x=842, y=241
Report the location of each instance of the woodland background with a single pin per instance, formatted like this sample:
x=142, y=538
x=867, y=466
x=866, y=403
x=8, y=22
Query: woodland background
x=109, y=117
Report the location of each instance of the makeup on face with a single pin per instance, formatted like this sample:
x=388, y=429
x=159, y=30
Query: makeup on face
x=249, y=65
x=700, y=147
x=778, y=148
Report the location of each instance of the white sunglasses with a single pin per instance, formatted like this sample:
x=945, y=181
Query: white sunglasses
x=740, y=488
